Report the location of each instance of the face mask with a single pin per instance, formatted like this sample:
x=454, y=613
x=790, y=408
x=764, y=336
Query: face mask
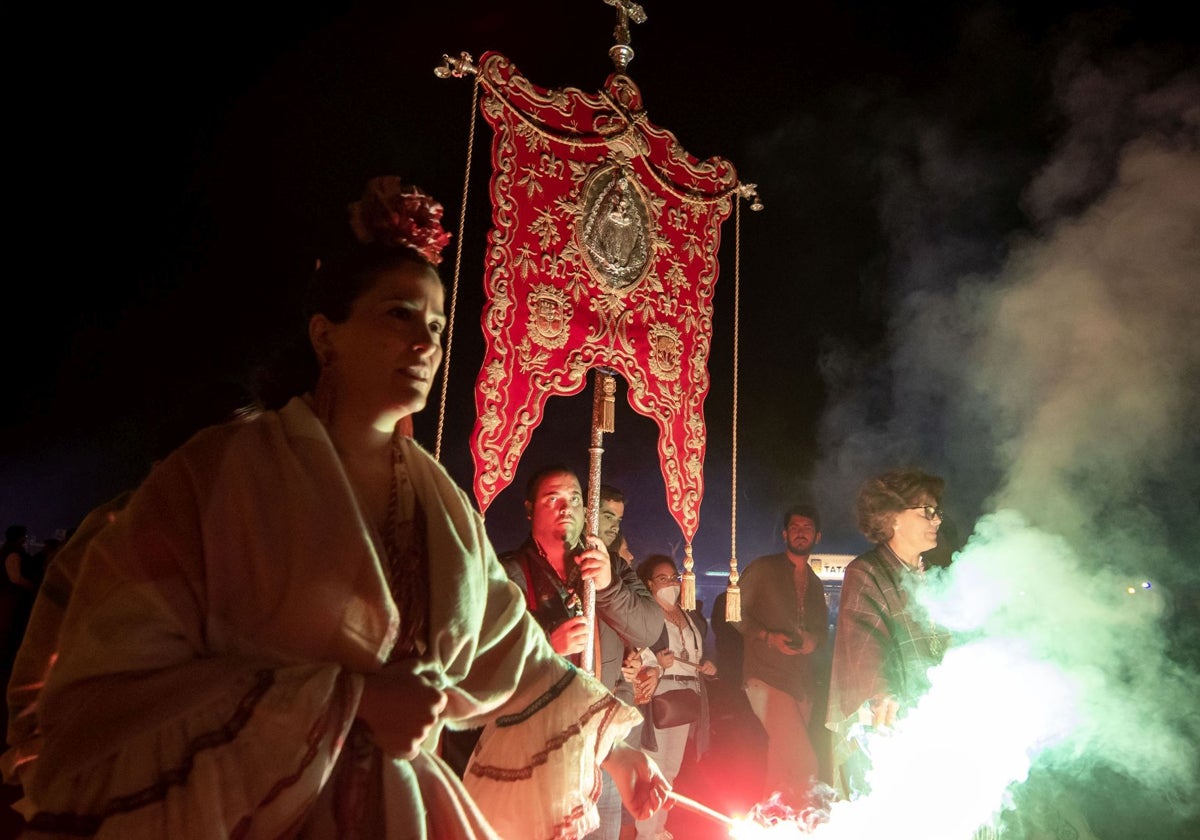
x=668, y=595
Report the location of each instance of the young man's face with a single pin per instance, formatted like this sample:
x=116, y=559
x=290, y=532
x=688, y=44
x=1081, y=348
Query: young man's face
x=611, y=513
x=556, y=512
x=801, y=535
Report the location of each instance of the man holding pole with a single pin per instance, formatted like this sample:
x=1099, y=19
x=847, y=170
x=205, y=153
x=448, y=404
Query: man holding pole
x=550, y=568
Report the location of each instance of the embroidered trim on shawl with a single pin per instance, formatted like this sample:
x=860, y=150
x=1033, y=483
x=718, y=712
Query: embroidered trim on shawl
x=573, y=818
x=335, y=712
x=541, y=702
x=84, y=825
x=608, y=706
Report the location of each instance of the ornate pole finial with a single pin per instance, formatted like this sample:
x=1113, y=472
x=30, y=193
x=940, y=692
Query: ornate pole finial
x=750, y=193
x=464, y=65
x=621, y=53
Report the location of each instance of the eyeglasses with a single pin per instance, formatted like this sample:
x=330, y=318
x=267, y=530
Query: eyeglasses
x=930, y=512
x=666, y=578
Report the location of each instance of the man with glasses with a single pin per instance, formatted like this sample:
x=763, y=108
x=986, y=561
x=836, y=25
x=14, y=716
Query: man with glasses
x=884, y=642
x=784, y=622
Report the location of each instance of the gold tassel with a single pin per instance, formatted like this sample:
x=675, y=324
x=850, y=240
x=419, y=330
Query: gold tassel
x=733, y=593
x=687, y=590
x=733, y=602
x=608, y=419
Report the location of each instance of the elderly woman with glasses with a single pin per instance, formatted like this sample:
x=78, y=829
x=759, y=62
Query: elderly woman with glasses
x=884, y=642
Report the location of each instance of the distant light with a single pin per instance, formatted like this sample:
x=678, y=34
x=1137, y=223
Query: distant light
x=1145, y=584
x=1130, y=590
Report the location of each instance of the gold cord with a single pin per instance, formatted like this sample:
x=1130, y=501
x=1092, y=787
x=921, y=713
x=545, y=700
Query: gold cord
x=462, y=224
x=733, y=593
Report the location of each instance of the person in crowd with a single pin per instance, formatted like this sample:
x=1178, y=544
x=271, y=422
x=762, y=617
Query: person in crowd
x=25, y=570
x=682, y=665
x=884, y=643
x=730, y=647
x=784, y=622
x=17, y=591
x=730, y=707
x=42, y=560
x=29, y=582
x=550, y=567
x=271, y=633
x=612, y=513
x=39, y=648
x=15, y=551
x=633, y=680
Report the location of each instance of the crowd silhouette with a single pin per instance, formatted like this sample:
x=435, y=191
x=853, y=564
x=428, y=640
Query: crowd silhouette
x=727, y=776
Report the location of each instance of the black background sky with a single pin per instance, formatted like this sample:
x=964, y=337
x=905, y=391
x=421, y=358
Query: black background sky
x=180, y=165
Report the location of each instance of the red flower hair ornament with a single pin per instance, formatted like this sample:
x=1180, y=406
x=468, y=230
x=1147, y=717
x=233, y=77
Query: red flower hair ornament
x=394, y=214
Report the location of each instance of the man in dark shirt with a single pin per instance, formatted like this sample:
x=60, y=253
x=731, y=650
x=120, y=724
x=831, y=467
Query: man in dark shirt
x=784, y=622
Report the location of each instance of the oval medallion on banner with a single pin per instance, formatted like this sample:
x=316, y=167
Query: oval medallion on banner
x=614, y=228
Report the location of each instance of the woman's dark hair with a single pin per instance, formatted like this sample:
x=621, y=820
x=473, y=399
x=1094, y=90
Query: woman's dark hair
x=15, y=533
x=882, y=497
x=645, y=569
x=334, y=286
x=341, y=279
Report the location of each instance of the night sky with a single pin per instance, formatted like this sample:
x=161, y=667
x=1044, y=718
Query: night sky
x=180, y=168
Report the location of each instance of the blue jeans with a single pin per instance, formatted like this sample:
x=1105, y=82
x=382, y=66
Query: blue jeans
x=609, y=806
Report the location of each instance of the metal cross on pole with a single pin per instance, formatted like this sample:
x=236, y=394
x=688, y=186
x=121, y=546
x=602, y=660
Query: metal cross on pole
x=621, y=53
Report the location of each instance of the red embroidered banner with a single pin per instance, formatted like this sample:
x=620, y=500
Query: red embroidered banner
x=603, y=253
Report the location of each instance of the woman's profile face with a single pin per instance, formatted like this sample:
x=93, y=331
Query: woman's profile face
x=914, y=529
x=385, y=354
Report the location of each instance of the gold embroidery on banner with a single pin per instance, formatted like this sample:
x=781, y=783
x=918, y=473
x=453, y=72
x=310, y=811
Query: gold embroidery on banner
x=549, y=316
x=528, y=358
x=692, y=245
x=612, y=316
x=676, y=275
x=524, y=260
x=665, y=351
x=546, y=229
x=531, y=181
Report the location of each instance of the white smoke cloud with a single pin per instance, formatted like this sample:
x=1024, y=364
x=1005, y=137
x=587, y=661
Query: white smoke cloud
x=1059, y=395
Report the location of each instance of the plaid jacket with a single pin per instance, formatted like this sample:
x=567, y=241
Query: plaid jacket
x=884, y=642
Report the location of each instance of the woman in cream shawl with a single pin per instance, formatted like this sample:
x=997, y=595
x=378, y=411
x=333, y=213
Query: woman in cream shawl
x=268, y=639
